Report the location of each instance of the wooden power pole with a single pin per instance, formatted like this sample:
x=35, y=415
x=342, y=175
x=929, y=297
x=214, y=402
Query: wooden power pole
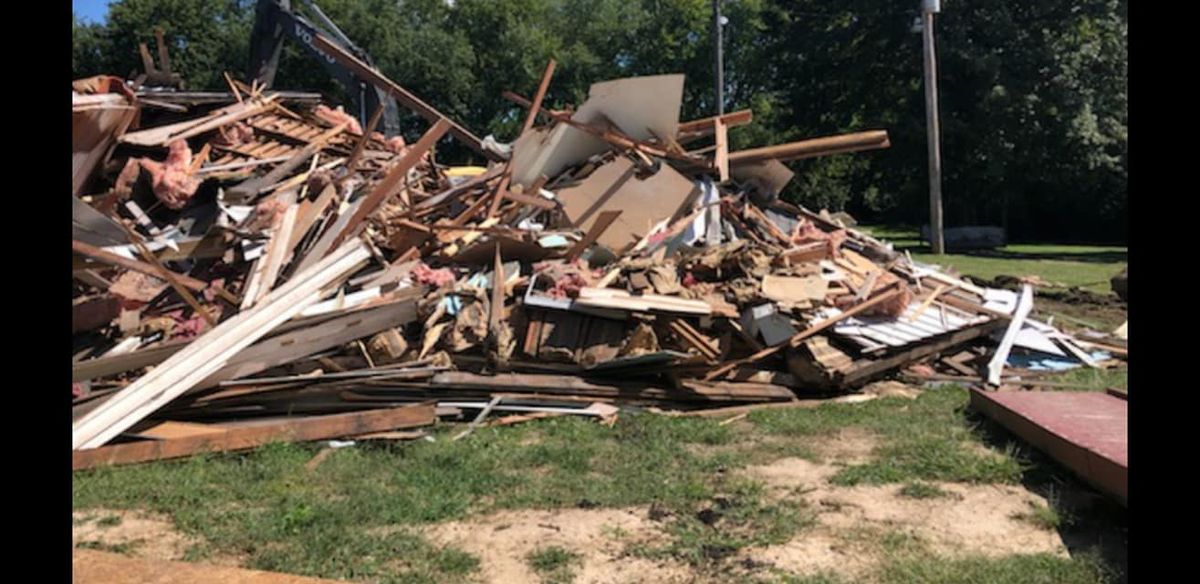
x=936, y=238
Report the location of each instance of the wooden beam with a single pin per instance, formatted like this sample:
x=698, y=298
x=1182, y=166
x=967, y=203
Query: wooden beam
x=296, y=430
x=721, y=157
x=537, y=98
x=706, y=126
x=402, y=95
x=814, y=147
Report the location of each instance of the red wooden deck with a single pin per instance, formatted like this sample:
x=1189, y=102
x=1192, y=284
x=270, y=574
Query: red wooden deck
x=1086, y=432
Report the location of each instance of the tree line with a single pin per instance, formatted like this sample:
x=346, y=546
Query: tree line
x=1033, y=93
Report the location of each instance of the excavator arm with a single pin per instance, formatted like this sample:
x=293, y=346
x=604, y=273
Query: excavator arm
x=275, y=20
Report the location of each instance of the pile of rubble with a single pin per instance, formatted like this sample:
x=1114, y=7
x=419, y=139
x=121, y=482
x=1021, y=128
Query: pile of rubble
x=271, y=270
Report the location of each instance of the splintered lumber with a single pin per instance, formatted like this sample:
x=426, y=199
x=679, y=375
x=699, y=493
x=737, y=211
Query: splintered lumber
x=814, y=147
x=247, y=190
x=242, y=438
x=886, y=294
x=996, y=365
x=402, y=95
x=214, y=349
x=394, y=178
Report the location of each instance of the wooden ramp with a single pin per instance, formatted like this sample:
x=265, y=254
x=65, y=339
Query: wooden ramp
x=1086, y=432
x=96, y=567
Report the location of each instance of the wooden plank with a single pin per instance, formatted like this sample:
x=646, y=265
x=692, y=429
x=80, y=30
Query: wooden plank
x=406, y=98
x=171, y=430
x=394, y=178
x=277, y=251
x=298, y=430
x=320, y=336
x=537, y=98
x=721, y=157
x=213, y=349
x=996, y=365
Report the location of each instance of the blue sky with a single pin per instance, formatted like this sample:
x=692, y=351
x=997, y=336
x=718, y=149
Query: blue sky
x=90, y=10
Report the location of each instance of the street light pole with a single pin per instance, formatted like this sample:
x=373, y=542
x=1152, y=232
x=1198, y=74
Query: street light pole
x=936, y=239
x=718, y=61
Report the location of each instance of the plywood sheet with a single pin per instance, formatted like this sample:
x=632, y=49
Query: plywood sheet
x=643, y=201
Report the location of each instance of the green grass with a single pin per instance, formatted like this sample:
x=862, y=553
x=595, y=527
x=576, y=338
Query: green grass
x=360, y=514
x=1015, y=569
x=1095, y=379
x=707, y=534
x=1086, y=266
x=922, y=439
x=554, y=564
x=920, y=490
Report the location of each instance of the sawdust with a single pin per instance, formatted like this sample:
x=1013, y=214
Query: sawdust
x=971, y=519
x=503, y=540
x=138, y=533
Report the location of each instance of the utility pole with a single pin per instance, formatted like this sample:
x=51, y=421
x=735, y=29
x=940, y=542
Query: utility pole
x=936, y=239
x=718, y=61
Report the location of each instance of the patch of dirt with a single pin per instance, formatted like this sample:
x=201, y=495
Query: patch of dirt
x=849, y=446
x=502, y=541
x=971, y=519
x=141, y=534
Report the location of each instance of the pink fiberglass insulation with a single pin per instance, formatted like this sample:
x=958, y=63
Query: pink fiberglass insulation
x=423, y=274
x=234, y=134
x=337, y=116
x=171, y=180
x=807, y=232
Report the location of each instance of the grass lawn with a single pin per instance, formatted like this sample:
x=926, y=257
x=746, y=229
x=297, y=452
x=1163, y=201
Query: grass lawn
x=365, y=506
x=1085, y=266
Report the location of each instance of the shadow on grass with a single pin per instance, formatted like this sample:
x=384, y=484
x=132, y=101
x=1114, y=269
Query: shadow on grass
x=1089, y=522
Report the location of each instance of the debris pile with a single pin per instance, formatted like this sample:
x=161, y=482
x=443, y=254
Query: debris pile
x=269, y=270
